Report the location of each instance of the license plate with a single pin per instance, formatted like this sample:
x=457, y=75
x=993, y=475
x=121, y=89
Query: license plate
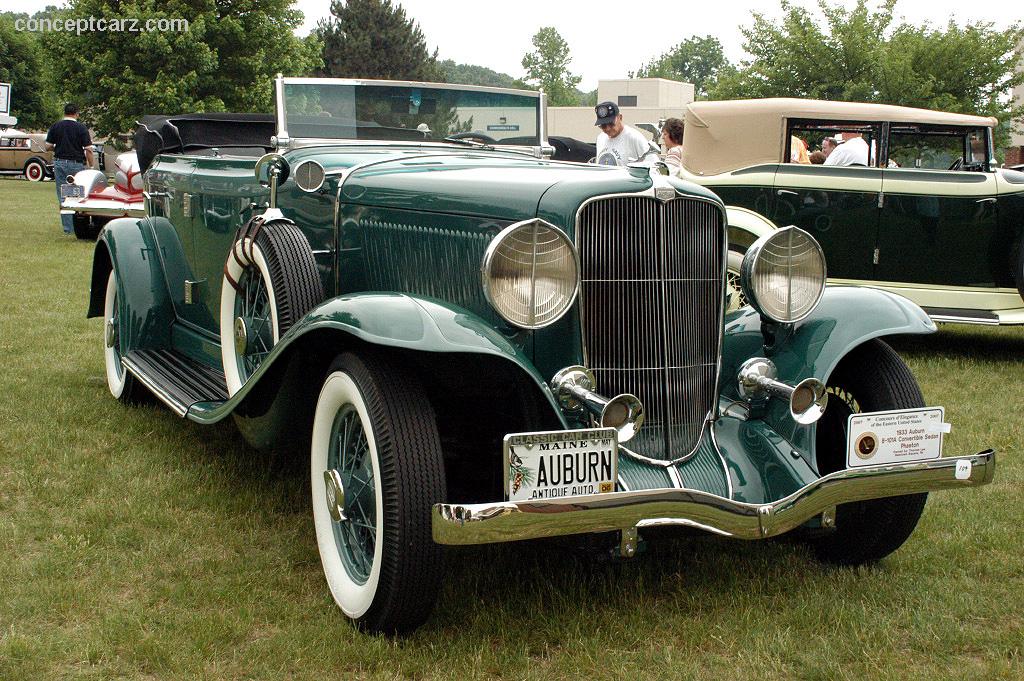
x=562, y=463
x=883, y=437
x=72, y=191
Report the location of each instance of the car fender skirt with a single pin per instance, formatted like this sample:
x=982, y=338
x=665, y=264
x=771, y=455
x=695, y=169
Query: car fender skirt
x=510, y=521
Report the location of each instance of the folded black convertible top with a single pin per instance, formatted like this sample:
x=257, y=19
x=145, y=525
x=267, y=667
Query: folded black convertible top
x=184, y=133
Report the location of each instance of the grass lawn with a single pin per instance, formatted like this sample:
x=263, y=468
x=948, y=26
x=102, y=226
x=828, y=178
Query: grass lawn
x=134, y=544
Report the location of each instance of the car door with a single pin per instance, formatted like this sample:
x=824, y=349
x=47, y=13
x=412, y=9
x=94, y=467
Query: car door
x=838, y=206
x=938, y=226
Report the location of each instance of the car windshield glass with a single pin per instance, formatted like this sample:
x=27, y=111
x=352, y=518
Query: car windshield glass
x=407, y=113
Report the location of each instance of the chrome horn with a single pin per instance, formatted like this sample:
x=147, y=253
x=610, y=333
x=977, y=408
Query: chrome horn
x=807, y=400
x=574, y=388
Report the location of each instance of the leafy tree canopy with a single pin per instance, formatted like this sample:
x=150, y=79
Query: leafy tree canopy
x=547, y=67
x=471, y=74
x=374, y=39
x=697, y=60
x=226, y=59
x=23, y=64
x=858, y=54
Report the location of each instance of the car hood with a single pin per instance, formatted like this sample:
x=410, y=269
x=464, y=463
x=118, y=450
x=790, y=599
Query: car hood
x=497, y=185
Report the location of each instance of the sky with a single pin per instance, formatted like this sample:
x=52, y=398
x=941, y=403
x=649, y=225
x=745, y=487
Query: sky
x=606, y=39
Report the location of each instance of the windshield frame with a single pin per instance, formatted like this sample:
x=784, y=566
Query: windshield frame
x=283, y=140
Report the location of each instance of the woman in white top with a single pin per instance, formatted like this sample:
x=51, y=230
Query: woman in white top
x=672, y=138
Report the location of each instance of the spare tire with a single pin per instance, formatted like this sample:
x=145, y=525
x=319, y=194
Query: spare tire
x=270, y=283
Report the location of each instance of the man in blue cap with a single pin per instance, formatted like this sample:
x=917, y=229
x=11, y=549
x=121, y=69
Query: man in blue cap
x=619, y=144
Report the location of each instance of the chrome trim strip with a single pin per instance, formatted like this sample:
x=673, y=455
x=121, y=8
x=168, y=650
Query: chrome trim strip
x=529, y=152
x=725, y=465
x=675, y=477
x=666, y=463
x=177, y=407
x=511, y=521
x=406, y=83
x=963, y=320
x=106, y=211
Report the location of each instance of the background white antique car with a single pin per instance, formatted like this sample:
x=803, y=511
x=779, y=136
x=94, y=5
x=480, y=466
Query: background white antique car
x=94, y=201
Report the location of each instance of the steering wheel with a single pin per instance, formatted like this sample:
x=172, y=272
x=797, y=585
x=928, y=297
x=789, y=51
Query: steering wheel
x=475, y=136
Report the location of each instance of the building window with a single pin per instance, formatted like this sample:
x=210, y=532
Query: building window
x=627, y=100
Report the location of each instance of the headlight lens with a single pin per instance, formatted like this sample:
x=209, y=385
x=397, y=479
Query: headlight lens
x=783, y=274
x=531, y=273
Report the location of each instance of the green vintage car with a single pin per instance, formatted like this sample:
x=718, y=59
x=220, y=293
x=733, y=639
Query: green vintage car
x=924, y=212
x=475, y=343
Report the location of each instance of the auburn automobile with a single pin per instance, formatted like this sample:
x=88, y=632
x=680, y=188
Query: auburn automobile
x=474, y=343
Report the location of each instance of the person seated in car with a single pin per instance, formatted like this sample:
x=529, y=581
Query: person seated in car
x=672, y=138
x=853, y=151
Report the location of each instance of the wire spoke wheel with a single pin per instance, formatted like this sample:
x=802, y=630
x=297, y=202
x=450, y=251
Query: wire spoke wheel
x=270, y=283
x=376, y=470
x=349, y=454
x=737, y=298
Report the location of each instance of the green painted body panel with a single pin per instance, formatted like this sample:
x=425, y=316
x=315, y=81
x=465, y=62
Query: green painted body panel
x=129, y=246
x=402, y=211
x=846, y=317
x=390, y=320
x=925, y=216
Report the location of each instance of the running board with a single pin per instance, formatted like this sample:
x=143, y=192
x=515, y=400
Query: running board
x=176, y=380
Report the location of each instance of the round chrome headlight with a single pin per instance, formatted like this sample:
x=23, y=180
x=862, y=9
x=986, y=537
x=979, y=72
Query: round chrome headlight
x=783, y=275
x=531, y=273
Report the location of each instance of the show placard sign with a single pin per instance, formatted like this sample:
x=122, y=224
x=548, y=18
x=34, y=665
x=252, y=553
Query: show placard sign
x=897, y=436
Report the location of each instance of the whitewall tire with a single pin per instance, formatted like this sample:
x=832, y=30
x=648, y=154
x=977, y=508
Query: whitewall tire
x=376, y=470
x=270, y=282
x=122, y=385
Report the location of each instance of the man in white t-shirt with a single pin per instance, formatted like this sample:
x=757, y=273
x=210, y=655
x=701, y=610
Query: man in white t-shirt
x=618, y=144
x=853, y=152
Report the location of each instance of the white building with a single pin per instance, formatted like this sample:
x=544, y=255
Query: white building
x=640, y=100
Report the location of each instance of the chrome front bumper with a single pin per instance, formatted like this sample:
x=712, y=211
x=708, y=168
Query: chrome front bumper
x=510, y=521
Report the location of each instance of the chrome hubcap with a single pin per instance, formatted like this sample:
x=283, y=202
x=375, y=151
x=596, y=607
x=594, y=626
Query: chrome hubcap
x=335, y=495
x=110, y=333
x=241, y=336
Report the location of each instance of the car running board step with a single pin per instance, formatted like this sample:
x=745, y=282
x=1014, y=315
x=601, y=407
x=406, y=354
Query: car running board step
x=956, y=315
x=175, y=379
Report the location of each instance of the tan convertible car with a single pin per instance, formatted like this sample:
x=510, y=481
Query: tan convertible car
x=920, y=209
x=25, y=153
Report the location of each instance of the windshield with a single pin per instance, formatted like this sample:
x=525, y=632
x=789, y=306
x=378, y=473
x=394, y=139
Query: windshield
x=409, y=113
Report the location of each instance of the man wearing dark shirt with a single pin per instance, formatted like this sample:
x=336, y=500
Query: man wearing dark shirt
x=71, y=146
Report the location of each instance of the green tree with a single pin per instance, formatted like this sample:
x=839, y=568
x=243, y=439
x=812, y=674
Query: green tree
x=697, y=60
x=225, y=60
x=547, y=67
x=471, y=74
x=23, y=64
x=374, y=39
x=858, y=54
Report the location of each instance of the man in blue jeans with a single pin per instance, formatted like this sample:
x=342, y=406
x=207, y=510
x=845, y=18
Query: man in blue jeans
x=71, y=146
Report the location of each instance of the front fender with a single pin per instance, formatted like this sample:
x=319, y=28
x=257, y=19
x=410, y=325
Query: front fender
x=846, y=317
x=391, y=320
x=129, y=247
x=746, y=227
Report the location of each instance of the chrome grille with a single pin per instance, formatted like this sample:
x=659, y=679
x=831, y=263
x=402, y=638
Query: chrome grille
x=651, y=309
